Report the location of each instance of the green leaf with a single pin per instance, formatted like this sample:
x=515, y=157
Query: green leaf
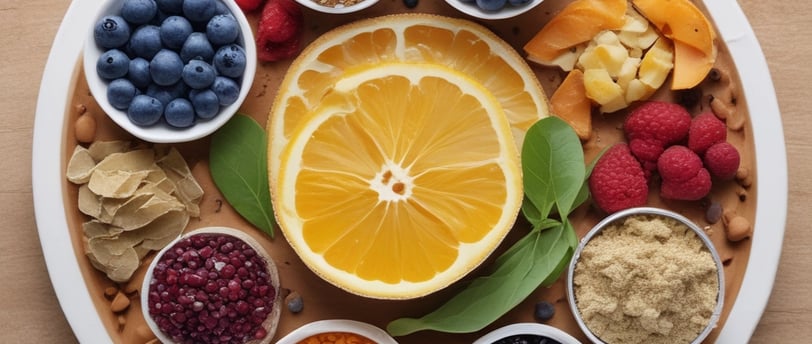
x=517, y=274
x=583, y=194
x=238, y=164
x=553, y=166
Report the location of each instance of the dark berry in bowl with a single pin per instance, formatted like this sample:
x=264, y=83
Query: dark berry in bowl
x=212, y=285
x=111, y=32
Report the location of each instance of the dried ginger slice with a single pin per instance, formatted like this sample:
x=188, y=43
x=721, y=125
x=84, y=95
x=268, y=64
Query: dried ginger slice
x=80, y=166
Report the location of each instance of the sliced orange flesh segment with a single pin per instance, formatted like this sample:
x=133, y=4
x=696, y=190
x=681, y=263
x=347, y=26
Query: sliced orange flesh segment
x=577, y=23
x=415, y=38
x=402, y=180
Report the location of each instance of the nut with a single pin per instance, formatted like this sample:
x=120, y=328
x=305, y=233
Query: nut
x=120, y=303
x=738, y=228
x=85, y=128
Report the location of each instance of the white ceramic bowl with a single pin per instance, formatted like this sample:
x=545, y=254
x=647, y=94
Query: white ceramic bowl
x=313, y=5
x=273, y=318
x=527, y=329
x=596, y=230
x=509, y=11
x=162, y=132
x=337, y=325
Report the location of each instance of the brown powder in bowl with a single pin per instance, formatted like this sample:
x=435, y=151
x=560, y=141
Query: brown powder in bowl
x=337, y=3
x=646, y=279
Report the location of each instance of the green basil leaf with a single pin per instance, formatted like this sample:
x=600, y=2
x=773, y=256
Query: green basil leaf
x=583, y=194
x=531, y=261
x=553, y=166
x=238, y=164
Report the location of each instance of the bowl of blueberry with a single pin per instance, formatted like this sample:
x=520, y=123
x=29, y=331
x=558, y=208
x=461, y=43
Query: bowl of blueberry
x=493, y=9
x=170, y=70
x=527, y=333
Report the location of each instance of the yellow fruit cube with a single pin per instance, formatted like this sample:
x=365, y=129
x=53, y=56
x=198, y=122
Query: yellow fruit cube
x=657, y=63
x=628, y=72
x=601, y=88
x=637, y=90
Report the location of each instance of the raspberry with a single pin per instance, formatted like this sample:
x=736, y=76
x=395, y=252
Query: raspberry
x=617, y=181
x=722, y=160
x=706, y=130
x=678, y=164
x=692, y=189
x=248, y=5
x=652, y=127
x=279, y=30
x=684, y=177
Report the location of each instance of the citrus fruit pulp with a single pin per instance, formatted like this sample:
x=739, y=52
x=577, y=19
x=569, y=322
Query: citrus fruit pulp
x=403, y=179
x=420, y=38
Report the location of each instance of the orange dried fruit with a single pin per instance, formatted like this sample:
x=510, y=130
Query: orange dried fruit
x=570, y=103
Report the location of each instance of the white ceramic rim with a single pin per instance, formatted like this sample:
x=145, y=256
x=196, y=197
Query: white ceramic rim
x=508, y=11
x=620, y=215
x=163, y=132
x=248, y=239
x=48, y=164
x=337, y=325
x=527, y=328
x=311, y=4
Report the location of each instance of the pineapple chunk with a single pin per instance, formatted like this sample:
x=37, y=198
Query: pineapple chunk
x=603, y=90
x=637, y=90
x=657, y=63
x=628, y=72
x=607, y=54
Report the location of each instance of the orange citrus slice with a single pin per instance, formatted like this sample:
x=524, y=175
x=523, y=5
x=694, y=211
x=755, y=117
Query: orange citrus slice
x=420, y=38
x=403, y=179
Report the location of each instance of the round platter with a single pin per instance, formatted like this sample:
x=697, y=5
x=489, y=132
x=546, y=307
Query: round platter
x=58, y=86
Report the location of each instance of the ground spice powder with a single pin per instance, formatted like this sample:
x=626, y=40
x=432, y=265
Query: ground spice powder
x=646, y=279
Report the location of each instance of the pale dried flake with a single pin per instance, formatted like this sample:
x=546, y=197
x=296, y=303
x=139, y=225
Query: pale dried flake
x=100, y=150
x=134, y=215
x=116, y=183
x=90, y=204
x=136, y=160
x=96, y=229
x=163, y=230
x=80, y=166
x=119, y=268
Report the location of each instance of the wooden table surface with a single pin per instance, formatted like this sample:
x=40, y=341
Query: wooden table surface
x=30, y=313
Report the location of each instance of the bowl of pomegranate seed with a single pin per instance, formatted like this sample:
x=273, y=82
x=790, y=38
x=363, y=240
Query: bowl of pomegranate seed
x=213, y=284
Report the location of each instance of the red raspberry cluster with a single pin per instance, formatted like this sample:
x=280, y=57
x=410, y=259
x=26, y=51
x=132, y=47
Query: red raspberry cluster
x=687, y=153
x=279, y=30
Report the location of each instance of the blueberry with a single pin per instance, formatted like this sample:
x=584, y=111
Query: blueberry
x=205, y=102
x=145, y=110
x=197, y=46
x=179, y=113
x=410, y=3
x=222, y=29
x=226, y=89
x=138, y=73
x=199, y=10
x=544, y=311
x=170, y=6
x=518, y=2
x=230, y=61
x=295, y=304
x=166, y=67
x=174, y=31
x=139, y=11
x=198, y=74
x=166, y=94
x=120, y=93
x=491, y=5
x=221, y=8
x=112, y=64
x=146, y=41
x=111, y=32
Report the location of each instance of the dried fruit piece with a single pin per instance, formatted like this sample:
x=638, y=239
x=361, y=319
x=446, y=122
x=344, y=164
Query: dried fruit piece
x=569, y=102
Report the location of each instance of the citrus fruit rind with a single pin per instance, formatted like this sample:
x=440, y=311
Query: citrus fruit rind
x=395, y=197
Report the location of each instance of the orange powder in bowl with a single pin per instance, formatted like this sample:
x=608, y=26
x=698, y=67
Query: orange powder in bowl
x=337, y=338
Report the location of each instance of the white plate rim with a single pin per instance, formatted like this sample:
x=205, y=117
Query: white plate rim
x=734, y=29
